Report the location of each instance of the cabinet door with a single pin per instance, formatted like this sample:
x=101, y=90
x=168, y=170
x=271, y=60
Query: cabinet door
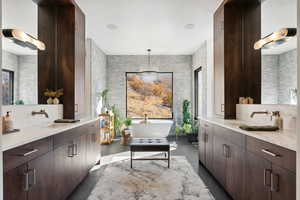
x=283, y=184
x=79, y=159
x=201, y=144
x=219, y=61
x=209, y=148
x=63, y=171
x=14, y=184
x=258, y=175
x=79, y=63
x=219, y=160
x=235, y=171
x=41, y=178
x=93, y=149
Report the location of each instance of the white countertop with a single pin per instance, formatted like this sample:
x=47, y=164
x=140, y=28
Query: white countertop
x=34, y=133
x=285, y=138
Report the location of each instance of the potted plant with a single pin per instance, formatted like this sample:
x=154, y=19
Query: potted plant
x=127, y=123
x=118, y=121
x=192, y=134
x=126, y=132
x=57, y=94
x=50, y=94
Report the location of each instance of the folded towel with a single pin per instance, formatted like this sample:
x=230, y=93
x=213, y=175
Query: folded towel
x=259, y=128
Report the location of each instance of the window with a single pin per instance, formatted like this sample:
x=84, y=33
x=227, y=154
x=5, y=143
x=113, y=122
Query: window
x=198, y=89
x=7, y=87
x=149, y=93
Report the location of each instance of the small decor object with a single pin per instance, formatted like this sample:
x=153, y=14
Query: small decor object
x=107, y=130
x=7, y=122
x=50, y=94
x=49, y=100
x=126, y=133
x=19, y=102
x=53, y=96
x=103, y=102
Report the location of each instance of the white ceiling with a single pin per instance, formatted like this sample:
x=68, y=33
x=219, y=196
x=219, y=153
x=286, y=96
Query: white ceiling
x=141, y=24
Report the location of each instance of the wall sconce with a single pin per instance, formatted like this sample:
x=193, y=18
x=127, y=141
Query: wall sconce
x=276, y=38
x=23, y=39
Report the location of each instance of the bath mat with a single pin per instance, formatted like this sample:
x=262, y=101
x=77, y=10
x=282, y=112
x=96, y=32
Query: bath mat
x=150, y=180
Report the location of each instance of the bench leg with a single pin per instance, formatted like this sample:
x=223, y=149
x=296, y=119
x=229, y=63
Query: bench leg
x=169, y=158
x=131, y=159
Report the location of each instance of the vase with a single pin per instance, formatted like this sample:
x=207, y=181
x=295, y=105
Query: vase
x=49, y=100
x=55, y=100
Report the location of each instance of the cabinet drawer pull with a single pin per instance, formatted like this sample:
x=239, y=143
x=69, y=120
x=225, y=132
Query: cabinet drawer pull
x=274, y=182
x=205, y=137
x=269, y=153
x=33, y=183
x=71, y=150
x=75, y=152
x=26, y=181
x=266, y=173
x=29, y=152
x=222, y=108
x=224, y=150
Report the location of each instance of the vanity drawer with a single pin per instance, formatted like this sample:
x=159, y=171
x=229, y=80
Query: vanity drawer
x=20, y=155
x=280, y=156
x=229, y=135
x=70, y=135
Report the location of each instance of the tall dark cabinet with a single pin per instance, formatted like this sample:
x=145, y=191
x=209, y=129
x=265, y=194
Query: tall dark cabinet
x=237, y=66
x=61, y=25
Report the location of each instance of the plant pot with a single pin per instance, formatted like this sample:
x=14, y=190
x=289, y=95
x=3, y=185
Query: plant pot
x=49, y=100
x=192, y=137
x=55, y=100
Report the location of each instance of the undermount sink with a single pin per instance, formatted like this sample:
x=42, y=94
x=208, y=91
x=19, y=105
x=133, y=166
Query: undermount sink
x=258, y=128
x=54, y=125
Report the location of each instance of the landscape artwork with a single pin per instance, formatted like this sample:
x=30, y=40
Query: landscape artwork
x=150, y=93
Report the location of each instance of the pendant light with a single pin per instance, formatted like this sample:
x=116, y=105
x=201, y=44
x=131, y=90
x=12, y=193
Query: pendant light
x=275, y=38
x=23, y=39
x=153, y=75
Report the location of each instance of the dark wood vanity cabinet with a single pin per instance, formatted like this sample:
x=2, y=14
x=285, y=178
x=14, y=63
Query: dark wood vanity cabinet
x=248, y=168
x=237, y=66
x=272, y=169
x=228, y=160
x=51, y=168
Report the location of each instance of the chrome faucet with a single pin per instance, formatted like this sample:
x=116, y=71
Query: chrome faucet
x=259, y=112
x=42, y=112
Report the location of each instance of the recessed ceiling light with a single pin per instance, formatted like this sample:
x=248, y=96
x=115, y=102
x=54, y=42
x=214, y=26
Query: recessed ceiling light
x=111, y=26
x=189, y=26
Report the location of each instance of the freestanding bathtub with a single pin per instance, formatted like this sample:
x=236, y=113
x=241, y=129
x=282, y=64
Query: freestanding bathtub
x=152, y=129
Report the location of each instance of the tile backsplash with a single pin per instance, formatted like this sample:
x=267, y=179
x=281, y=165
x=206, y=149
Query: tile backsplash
x=21, y=114
x=287, y=112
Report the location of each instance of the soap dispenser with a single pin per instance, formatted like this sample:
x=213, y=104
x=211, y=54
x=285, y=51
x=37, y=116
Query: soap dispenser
x=8, y=122
x=278, y=120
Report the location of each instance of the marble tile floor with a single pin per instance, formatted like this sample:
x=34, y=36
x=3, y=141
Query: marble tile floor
x=183, y=149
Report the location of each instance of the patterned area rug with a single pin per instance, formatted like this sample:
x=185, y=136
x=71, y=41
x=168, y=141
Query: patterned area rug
x=150, y=180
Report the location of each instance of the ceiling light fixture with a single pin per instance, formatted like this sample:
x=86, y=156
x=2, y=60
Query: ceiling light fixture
x=150, y=72
x=189, y=26
x=275, y=38
x=23, y=39
x=112, y=26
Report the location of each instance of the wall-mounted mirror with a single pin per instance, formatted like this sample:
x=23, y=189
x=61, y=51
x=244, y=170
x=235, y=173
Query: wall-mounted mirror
x=279, y=63
x=19, y=64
